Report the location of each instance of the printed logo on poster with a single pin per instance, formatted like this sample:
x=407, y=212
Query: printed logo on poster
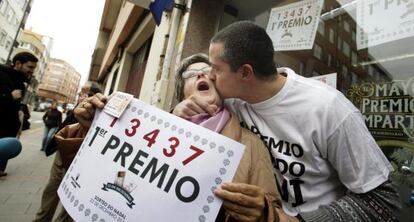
x=148, y=165
x=293, y=27
x=388, y=110
x=375, y=27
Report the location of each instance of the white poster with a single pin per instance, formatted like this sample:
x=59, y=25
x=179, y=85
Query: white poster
x=381, y=21
x=148, y=165
x=329, y=79
x=293, y=26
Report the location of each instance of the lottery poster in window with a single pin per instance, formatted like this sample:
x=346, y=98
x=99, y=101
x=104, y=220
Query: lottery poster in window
x=294, y=26
x=148, y=165
x=374, y=28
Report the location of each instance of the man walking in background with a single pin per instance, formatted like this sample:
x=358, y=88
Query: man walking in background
x=52, y=119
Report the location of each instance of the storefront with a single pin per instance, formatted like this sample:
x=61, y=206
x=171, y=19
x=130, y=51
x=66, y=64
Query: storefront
x=365, y=49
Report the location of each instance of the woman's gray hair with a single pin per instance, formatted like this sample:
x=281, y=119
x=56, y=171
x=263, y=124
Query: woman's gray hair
x=185, y=63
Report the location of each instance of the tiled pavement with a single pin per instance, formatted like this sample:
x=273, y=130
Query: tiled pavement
x=21, y=189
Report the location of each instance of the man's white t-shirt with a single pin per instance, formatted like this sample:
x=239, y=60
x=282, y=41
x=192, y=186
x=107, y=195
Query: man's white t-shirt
x=319, y=143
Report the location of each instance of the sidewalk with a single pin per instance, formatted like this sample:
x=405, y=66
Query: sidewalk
x=21, y=189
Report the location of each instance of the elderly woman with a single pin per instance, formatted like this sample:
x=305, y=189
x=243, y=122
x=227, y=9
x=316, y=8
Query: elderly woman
x=252, y=195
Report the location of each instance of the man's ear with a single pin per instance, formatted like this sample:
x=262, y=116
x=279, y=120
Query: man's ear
x=18, y=65
x=247, y=72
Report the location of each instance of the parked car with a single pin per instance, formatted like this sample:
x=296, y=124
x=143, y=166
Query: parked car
x=41, y=107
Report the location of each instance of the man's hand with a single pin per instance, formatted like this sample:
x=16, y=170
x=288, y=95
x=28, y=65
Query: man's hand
x=85, y=111
x=16, y=94
x=244, y=202
x=193, y=105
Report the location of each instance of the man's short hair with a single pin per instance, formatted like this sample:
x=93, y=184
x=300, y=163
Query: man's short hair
x=247, y=43
x=185, y=63
x=24, y=57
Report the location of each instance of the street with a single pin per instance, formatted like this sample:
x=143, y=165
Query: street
x=21, y=189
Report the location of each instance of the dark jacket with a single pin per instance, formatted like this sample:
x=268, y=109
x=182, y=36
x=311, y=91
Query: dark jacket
x=52, y=118
x=51, y=146
x=10, y=80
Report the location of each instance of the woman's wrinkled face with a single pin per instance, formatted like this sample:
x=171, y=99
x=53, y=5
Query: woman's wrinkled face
x=196, y=82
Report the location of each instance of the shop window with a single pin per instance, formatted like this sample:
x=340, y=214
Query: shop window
x=370, y=52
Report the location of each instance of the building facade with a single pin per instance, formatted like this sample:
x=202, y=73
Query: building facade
x=122, y=48
x=365, y=49
x=60, y=82
x=13, y=16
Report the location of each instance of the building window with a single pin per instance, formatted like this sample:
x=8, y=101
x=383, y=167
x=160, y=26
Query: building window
x=329, y=59
x=302, y=68
x=3, y=36
x=339, y=43
x=317, y=51
x=353, y=35
x=23, y=3
x=346, y=26
x=321, y=27
x=344, y=71
x=346, y=49
x=354, y=78
x=370, y=70
x=16, y=22
x=10, y=15
x=3, y=7
x=354, y=59
x=331, y=35
x=8, y=43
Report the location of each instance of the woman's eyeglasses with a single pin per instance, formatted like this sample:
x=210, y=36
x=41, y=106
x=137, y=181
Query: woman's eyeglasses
x=196, y=72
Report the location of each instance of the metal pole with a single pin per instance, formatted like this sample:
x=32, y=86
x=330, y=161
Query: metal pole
x=176, y=15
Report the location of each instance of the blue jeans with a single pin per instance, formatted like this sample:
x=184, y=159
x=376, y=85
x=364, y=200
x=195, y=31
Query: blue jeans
x=9, y=147
x=47, y=135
